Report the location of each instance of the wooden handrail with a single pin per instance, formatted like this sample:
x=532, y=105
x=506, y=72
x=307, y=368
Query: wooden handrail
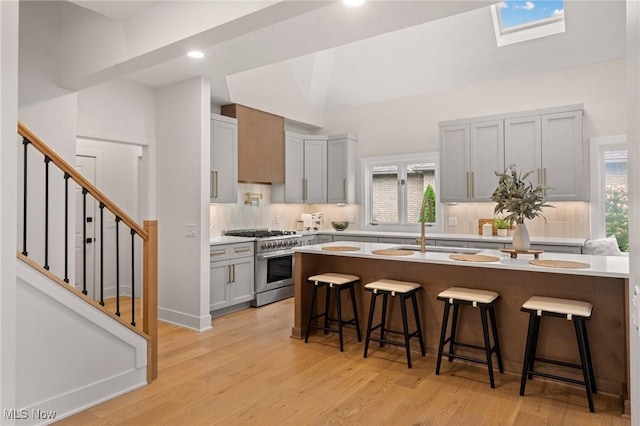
x=150, y=296
x=80, y=180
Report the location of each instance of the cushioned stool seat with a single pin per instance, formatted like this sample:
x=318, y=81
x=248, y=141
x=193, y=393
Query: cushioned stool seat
x=571, y=310
x=337, y=282
x=404, y=290
x=485, y=300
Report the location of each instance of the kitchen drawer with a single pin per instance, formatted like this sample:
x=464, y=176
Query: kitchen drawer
x=230, y=251
x=354, y=238
x=557, y=249
x=324, y=239
x=486, y=245
x=452, y=243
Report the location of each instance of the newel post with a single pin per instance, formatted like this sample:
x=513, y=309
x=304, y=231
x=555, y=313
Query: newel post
x=150, y=296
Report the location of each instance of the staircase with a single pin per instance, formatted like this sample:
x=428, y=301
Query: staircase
x=73, y=351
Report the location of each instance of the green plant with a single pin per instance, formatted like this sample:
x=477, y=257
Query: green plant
x=500, y=223
x=517, y=196
x=616, y=204
x=429, y=202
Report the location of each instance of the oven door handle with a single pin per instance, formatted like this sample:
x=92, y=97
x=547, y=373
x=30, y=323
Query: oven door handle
x=272, y=256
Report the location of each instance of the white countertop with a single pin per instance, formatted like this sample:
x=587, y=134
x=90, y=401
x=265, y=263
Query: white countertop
x=462, y=237
x=601, y=266
x=215, y=241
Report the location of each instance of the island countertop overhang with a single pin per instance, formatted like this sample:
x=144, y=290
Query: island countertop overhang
x=600, y=266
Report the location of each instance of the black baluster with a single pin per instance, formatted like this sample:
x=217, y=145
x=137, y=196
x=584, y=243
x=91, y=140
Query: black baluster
x=102, y=254
x=25, y=143
x=66, y=227
x=47, y=160
x=84, y=241
x=133, y=279
x=117, y=266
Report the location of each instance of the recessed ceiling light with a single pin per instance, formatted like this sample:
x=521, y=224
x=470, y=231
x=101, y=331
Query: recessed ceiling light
x=195, y=54
x=353, y=2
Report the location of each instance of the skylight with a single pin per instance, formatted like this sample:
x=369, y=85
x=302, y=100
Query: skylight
x=517, y=21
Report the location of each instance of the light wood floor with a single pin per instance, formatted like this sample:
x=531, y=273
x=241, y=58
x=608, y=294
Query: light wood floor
x=247, y=370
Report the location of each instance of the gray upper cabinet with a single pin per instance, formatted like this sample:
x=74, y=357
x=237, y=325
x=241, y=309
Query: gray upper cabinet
x=341, y=175
x=305, y=179
x=550, y=145
x=470, y=156
x=547, y=142
x=223, y=178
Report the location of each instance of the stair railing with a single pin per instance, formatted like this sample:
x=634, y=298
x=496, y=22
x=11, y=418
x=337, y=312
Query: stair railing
x=148, y=234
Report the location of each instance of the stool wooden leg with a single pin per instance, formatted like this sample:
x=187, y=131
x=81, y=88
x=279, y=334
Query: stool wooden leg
x=355, y=310
x=416, y=314
x=528, y=352
x=580, y=332
x=383, y=324
x=487, y=344
x=534, y=348
x=369, y=321
x=454, y=326
x=314, y=292
x=496, y=341
x=405, y=326
x=338, y=296
x=443, y=334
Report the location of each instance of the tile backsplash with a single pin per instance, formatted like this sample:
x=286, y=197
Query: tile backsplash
x=564, y=220
x=264, y=214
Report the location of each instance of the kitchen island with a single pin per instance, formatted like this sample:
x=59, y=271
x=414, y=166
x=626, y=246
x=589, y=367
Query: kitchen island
x=603, y=283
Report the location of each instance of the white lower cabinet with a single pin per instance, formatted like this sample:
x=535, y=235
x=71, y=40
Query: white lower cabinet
x=231, y=275
x=324, y=239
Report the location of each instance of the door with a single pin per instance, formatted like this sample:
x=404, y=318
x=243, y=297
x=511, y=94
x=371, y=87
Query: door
x=241, y=288
x=85, y=274
x=487, y=157
x=218, y=284
x=293, y=170
x=315, y=171
x=454, y=162
x=224, y=162
x=522, y=146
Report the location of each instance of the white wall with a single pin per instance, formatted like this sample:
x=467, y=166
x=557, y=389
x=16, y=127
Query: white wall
x=8, y=185
x=633, y=143
x=183, y=135
x=118, y=111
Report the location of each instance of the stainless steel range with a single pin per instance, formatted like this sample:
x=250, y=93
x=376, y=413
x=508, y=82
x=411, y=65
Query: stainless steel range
x=273, y=263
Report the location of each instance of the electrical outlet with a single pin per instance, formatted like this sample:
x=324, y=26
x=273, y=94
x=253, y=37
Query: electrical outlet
x=277, y=219
x=190, y=230
x=453, y=221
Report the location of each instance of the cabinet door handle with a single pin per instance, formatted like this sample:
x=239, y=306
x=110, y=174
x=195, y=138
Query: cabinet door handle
x=304, y=189
x=539, y=176
x=473, y=185
x=344, y=188
x=215, y=179
x=467, y=193
x=211, y=184
x=233, y=273
x=228, y=274
x=242, y=250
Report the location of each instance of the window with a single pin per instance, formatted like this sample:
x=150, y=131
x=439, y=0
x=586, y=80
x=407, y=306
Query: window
x=609, y=196
x=518, y=21
x=394, y=190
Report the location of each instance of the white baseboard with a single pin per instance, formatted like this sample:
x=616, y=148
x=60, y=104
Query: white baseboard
x=184, y=320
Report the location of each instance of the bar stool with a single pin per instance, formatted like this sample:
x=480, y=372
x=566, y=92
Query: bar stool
x=572, y=310
x=337, y=282
x=405, y=290
x=483, y=299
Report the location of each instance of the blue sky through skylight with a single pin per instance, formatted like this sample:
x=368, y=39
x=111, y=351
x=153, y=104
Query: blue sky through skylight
x=516, y=12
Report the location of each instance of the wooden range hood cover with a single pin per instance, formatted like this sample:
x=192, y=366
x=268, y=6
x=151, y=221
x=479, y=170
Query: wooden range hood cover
x=260, y=144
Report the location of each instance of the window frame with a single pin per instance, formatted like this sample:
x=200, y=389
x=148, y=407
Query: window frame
x=597, y=147
x=525, y=32
x=401, y=160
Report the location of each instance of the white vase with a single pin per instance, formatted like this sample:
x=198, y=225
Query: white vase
x=521, y=238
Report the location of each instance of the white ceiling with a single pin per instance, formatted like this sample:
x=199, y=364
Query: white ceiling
x=323, y=55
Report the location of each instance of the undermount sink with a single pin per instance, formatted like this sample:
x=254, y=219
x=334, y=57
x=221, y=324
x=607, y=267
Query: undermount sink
x=440, y=249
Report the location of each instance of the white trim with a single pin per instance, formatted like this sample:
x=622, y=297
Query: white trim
x=401, y=159
x=182, y=319
x=597, y=146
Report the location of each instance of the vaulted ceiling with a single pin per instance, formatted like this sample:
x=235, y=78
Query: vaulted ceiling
x=300, y=58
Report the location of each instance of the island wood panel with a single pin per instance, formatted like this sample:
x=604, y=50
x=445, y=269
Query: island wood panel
x=606, y=329
x=260, y=144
